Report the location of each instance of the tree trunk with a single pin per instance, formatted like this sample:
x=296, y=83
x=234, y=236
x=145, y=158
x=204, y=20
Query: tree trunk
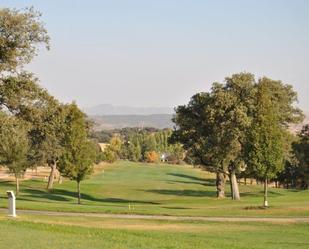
x=52, y=176
x=234, y=186
x=265, y=193
x=245, y=180
x=220, y=183
x=231, y=187
x=78, y=193
x=17, y=184
x=60, y=179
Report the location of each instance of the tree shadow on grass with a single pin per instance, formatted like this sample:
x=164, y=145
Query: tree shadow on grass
x=208, y=182
x=7, y=184
x=295, y=190
x=192, y=180
x=65, y=195
x=187, y=176
x=186, y=192
x=261, y=193
x=41, y=194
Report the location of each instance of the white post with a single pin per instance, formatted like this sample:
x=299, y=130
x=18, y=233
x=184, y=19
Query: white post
x=12, y=204
x=265, y=203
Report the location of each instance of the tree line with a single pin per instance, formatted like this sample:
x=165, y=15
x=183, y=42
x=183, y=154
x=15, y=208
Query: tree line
x=295, y=173
x=240, y=128
x=36, y=129
x=140, y=145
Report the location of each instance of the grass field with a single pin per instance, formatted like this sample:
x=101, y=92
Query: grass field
x=41, y=231
x=126, y=187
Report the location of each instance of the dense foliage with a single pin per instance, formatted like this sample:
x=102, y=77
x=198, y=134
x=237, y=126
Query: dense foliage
x=34, y=125
x=238, y=128
x=78, y=155
x=146, y=145
x=296, y=169
x=14, y=146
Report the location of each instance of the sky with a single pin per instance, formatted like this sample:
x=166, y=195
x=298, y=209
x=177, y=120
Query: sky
x=159, y=53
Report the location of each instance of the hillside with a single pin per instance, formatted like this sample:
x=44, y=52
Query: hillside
x=108, y=122
x=106, y=109
x=159, y=121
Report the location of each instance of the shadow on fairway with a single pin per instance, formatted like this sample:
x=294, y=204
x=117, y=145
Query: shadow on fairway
x=8, y=184
x=65, y=195
x=188, y=192
x=187, y=176
x=192, y=180
x=208, y=182
x=261, y=193
x=41, y=194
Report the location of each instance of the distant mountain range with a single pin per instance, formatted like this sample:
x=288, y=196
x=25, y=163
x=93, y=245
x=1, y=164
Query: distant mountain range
x=108, y=117
x=106, y=109
x=109, y=122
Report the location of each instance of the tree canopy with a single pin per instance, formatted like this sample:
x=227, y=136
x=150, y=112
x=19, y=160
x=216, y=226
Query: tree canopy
x=217, y=128
x=14, y=146
x=20, y=33
x=79, y=152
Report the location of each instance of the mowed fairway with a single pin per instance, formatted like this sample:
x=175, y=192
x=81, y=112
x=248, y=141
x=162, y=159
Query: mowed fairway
x=133, y=188
x=126, y=187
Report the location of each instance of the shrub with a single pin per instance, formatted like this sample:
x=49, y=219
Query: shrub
x=109, y=155
x=152, y=157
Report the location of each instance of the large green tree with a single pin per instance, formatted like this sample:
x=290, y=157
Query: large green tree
x=265, y=139
x=21, y=31
x=47, y=135
x=237, y=126
x=274, y=110
x=79, y=154
x=212, y=128
x=22, y=97
x=14, y=146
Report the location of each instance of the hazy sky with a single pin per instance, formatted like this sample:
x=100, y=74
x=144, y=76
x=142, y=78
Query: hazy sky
x=161, y=52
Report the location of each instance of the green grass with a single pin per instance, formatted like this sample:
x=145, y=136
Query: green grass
x=151, y=189
x=126, y=187
x=80, y=232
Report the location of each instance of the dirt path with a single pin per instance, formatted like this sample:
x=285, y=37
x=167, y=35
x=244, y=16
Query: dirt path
x=163, y=217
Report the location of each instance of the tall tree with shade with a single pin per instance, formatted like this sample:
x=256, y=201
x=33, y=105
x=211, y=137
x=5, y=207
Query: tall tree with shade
x=22, y=32
x=212, y=128
x=14, y=146
x=79, y=154
x=265, y=145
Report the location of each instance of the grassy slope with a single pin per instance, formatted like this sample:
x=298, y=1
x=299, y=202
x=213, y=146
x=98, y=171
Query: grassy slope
x=155, y=189
x=67, y=232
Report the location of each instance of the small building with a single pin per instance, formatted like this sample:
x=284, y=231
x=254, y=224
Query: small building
x=103, y=146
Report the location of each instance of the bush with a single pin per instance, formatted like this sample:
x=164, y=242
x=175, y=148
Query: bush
x=152, y=157
x=109, y=155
